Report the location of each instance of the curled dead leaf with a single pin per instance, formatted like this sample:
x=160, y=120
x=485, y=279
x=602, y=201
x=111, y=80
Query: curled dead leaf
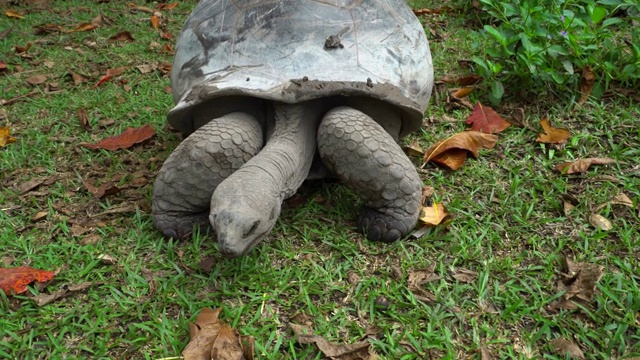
x=552, y=135
x=413, y=149
x=601, y=222
x=123, y=36
x=587, y=82
x=452, y=152
x=13, y=14
x=462, y=92
x=155, y=22
x=305, y=335
x=582, y=165
x=36, y=79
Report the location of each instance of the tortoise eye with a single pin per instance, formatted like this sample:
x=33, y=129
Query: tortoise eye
x=252, y=229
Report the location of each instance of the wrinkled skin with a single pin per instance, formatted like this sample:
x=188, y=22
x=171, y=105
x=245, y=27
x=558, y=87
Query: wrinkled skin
x=222, y=178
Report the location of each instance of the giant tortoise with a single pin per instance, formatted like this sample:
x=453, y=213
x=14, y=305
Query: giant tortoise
x=272, y=92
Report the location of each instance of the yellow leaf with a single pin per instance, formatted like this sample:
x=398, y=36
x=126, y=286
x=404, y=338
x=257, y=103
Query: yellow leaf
x=434, y=214
x=13, y=14
x=552, y=135
x=5, y=137
x=155, y=22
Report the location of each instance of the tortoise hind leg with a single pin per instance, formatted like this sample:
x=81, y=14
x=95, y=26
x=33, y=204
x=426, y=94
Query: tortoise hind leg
x=367, y=159
x=183, y=188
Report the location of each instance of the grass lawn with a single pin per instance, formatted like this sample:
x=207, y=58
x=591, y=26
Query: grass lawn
x=490, y=283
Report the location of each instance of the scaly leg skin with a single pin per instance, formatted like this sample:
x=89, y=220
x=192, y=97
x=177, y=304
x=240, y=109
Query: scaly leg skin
x=367, y=159
x=183, y=187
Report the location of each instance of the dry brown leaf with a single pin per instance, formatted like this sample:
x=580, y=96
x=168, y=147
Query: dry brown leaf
x=413, y=149
x=36, y=80
x=104, y=190
x=486, y=120
x=462, y=92
x=416, y=278
x=78, y=79
x=579, y=280
x=587, y=82
x=116, y=71
x=13, y=14
x=203, y=333
x=123, y=36
x=599, y=221
x=5, y=136
x=452, y=152
x=582, y=165
x=433, y=215
x=620, y=199
x=47, y=28
x=126, y=139
x=166, y=6
x=565, y=347
x=31, y=184
x=465, y=276
x=227, y=345
x=484, y=353
x=43, y=299
x=83, y=118
x=552, y=135
x=135, y=7
x=84, y=27
x=304, y=335
x=155, y=22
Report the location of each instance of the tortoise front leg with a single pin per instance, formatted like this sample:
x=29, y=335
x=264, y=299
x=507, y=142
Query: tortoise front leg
x=367, y=159
x=187, y=179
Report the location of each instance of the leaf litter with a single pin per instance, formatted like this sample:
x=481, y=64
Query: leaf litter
x=452, y=152
x=15, y=280
x=213, y=339
x=582, y=165
x=129, y=137
x=356, y=351
x=578, y=282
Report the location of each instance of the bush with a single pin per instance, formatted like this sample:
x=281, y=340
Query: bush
x=544, y=45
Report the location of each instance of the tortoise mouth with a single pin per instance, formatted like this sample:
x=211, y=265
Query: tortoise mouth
x=232, y=255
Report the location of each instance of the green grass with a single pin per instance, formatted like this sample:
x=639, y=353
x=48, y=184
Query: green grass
x=508, y=225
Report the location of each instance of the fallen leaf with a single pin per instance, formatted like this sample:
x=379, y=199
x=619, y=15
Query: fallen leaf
x=5, y=136
x=47, y=28
x=123, y=36
x=579, y=279
x=13, y=14
x=620, y=199
x=484, y=353
x=203, y=333
x=84, y=119
x=462, y=92
x=155, y=22
x=424, y=11
x=434, y=214
x=146, y=68
x=467, y=80
x=31, y=184
x=166, y=6
x=552, y=135
x=305, y=335
x=582, y=165
x=599, y=221
x=78, y=79
x=15, y=280
x=135, y=7
x=116, y=71
x=23, y=49
x=167, y=36
x=586, y=84
x=486, y=120
x=107, y=259
x=227, y=345
x=452, y=152
x=565, y=347
x=465, y=276
x=167, y=49
x=84, y=27
x=104, y=190
x=413, y=149
x=36, y=79
x=44, y=299
x=416, y=278
x=126, y=139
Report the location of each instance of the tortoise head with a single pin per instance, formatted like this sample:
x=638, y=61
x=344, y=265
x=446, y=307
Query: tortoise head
x=241, y=222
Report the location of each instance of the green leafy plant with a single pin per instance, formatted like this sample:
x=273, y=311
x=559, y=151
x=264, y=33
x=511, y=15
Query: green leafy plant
x=542, y=45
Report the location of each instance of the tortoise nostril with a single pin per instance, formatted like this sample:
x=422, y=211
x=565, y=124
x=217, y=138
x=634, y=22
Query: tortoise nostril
x=251, y=230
